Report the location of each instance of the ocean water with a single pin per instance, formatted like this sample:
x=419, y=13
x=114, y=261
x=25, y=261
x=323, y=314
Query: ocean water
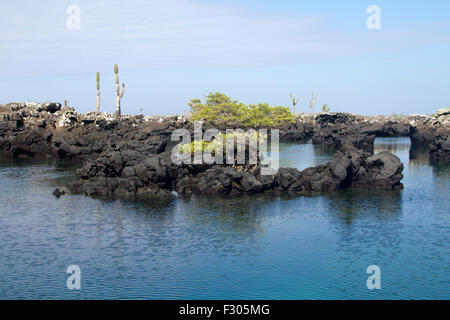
x=264, y=246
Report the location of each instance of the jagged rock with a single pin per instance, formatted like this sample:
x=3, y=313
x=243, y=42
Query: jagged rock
x=440, y=150
x=51, y=107
x=388, y=129
x=383, y=171
x=351, y=168
x=132, y=156
x=249, y=183
x=334, y=130
x=128, y=172
x=442, y=112
x=434, y=133
x=296, y=132
x=213, y=181
x=58, y=193
x=286, y=176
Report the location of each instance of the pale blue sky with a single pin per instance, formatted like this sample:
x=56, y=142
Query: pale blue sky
x=171, y=51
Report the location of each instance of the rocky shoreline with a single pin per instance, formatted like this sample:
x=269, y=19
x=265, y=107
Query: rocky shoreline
x=132, y=156
x=118, y=173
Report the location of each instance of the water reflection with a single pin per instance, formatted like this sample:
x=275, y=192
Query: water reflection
x=350, y=206
x=393, y=145
x=245, y=215
x=266, y=246
x=441, y=171
x=441, y=183
x=368, y=226
x=302, y=156
x=419, y=156
x=240, y=215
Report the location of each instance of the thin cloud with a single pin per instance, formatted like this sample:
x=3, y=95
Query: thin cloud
x=184, y=33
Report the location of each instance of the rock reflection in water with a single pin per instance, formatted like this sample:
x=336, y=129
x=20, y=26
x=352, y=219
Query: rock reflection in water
x=393, y=145
x=262, y=246
x=419, y=156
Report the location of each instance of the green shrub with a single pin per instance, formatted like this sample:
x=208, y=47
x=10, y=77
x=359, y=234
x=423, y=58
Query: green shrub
x=221, y=109
x=325, y=108
x=219, y=143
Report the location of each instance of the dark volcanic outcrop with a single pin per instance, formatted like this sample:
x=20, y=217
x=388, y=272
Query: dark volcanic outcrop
x=440, y=150
x=47, y=129
x=338, y=129
x=434, y=132
x=300, y=131
x=28, y=129
x=132, y=156
x=119, y=173
x=351, y=168
x=440, y=145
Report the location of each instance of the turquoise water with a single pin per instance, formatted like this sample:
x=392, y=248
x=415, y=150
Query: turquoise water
x=250, y=247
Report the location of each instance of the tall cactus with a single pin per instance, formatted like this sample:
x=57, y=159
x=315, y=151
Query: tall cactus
x=98, y=92
x=294, y=102
x=119, y=93
x=313, y=101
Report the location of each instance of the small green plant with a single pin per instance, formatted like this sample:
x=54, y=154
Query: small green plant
x=119, y=92
x=238, y=148
x=294, y=102
x=219, y=143
x=98, y=93
x=312, y=102
x=325, y=108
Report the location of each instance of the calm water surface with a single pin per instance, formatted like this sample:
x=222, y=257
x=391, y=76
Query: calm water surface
x=249, y=247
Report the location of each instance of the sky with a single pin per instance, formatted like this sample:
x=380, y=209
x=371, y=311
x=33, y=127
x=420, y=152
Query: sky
x=171, y=51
